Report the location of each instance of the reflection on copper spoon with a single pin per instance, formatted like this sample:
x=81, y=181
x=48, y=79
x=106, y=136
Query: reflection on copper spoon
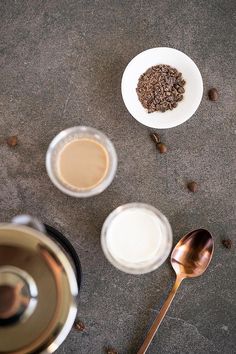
x=190, y=258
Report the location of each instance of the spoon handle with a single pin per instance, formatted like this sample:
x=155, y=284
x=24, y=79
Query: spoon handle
x=160, y=317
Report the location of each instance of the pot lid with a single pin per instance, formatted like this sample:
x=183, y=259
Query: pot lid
x=38, y=292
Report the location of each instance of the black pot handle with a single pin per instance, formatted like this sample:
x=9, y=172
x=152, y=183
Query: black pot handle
x=66, y=244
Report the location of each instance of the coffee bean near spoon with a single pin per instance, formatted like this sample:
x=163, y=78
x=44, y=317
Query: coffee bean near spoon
x=227, y=243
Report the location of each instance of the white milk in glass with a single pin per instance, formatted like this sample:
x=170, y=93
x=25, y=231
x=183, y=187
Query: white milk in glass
x=137, y=238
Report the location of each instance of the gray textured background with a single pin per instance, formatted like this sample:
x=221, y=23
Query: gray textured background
x=61, y=64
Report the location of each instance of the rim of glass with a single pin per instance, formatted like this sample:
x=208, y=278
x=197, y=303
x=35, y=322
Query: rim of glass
x=143, y=268
x=88, y=132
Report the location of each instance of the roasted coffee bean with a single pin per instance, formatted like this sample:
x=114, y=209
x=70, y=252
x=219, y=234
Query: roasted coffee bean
x=165, y=104
x=179, y=98
x=192, y=186
x=213, y=94
x=181, y=90
x=227, y=243
x=175, y=92
x=174, y=104
x=12, y=141
x=79, y=326
x=152, y=109
x=162, y=148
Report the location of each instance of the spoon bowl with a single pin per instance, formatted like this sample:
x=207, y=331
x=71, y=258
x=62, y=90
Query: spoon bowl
x=192, y=254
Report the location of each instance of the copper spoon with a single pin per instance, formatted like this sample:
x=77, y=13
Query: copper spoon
x=190, y=258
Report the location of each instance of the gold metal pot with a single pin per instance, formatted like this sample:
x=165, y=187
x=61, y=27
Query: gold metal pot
x=38, y=287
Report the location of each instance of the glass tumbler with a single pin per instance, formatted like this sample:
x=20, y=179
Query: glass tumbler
x=158, y=257
x=65, y=137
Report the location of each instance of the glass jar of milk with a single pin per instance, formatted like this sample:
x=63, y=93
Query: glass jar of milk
x=136, y=238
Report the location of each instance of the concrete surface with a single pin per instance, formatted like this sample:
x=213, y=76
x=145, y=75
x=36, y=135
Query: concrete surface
x=61, y=64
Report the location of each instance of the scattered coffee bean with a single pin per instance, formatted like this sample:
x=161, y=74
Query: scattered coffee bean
x=12, y=141
x=111, y=351
x=79, y=326
x=227, y=243
x=213, y=94
x=159, y=145
x=162, y=148
x=160, y=88
x=192, y=186
x=155, y=137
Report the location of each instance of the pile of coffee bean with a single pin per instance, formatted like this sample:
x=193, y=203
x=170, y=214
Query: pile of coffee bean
x=160, y=88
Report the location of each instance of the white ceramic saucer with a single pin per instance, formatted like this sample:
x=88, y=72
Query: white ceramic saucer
x=193, y=87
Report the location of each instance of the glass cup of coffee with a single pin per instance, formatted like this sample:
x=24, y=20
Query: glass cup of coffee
x=136, y=238
x=81, y=161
